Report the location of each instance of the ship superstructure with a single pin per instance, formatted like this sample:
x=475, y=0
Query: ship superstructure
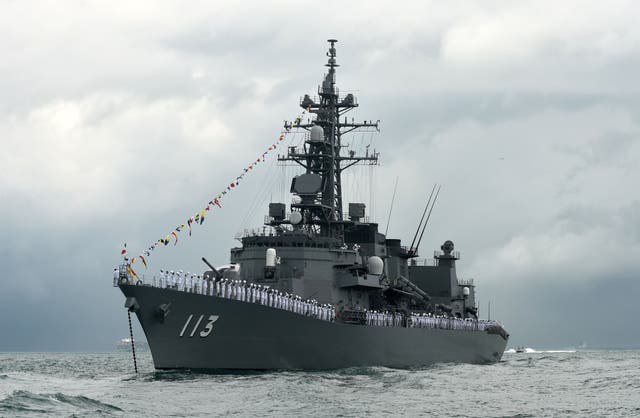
x=317, y=286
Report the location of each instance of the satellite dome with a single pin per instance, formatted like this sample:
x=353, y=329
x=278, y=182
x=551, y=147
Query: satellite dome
x=375, y=265
x=317, y=134
x=295, y=218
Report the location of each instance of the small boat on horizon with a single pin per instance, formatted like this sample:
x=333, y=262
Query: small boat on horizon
x=125, y=343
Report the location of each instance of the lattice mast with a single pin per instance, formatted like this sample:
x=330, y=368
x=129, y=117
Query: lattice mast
x=323, y=157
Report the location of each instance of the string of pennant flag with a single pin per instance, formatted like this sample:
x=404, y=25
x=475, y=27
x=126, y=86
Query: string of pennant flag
x=199, y=216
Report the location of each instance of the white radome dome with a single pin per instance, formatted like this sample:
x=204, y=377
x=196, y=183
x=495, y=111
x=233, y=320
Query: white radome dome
x=375, y=265
x=317, y=134
x=295, y=218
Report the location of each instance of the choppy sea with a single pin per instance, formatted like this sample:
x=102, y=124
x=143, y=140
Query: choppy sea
x=536, y=383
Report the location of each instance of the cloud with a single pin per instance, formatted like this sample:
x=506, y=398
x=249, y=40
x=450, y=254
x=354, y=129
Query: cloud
x=83, y=158
x=118, y=123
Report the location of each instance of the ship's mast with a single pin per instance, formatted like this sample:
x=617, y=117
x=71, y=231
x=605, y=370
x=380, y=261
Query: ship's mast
x=322, y=212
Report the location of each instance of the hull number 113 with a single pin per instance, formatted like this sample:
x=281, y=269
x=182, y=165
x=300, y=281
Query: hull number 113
x=206, y=329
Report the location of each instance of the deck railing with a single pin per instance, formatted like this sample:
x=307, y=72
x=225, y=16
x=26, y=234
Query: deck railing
x=264, y=295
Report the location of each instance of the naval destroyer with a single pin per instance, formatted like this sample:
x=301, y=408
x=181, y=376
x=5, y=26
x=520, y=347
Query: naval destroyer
x=316, y=288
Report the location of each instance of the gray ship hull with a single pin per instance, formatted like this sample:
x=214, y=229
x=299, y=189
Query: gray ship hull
x=206, y=332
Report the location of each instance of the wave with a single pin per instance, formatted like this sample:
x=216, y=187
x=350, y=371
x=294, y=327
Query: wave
x=529, y=350
x=25, y=401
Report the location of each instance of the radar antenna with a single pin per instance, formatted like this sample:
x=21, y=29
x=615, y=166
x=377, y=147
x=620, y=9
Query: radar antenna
x=320, y=188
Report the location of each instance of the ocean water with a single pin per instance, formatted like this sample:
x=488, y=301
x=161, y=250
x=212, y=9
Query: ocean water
x=536, y=383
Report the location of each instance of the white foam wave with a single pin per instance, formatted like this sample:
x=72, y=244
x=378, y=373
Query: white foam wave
x=529, y=350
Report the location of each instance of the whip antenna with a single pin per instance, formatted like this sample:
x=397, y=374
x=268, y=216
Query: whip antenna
x=428, y=216
x=391, y=208
x=421, y=219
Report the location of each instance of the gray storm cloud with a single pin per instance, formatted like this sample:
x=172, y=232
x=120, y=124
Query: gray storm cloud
x=117, y=123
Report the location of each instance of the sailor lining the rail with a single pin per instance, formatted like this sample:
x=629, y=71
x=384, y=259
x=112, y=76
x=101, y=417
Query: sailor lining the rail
x=250, y=292
x=188, y=281
x=254, y=293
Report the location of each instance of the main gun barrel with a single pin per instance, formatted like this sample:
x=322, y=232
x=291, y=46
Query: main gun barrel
x=215, y=272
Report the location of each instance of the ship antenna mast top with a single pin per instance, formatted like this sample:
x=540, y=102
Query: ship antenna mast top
x=320, y=188
x=332, y=63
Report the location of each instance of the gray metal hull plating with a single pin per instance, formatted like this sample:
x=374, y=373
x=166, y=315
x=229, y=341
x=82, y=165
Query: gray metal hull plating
x=256, y=337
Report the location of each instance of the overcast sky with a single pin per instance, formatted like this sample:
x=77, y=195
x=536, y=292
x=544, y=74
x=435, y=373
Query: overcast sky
x=119, y=121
